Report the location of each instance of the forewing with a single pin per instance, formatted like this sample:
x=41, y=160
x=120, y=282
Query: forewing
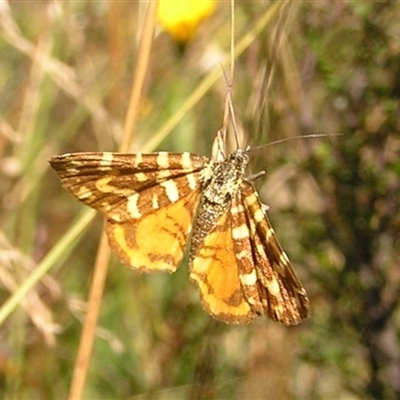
x=113, y=182
x=245, y=255
x=149, y=201
x=215, y=270
x=282, y=295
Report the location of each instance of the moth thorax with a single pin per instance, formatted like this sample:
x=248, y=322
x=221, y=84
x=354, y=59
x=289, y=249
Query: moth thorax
x=239, y=159
x=226, y=178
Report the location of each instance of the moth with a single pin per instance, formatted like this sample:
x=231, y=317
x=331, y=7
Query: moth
x=155, y=203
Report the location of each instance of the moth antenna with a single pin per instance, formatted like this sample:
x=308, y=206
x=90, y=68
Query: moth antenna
x=316, y=135
x=235, y=130
x=228, y=108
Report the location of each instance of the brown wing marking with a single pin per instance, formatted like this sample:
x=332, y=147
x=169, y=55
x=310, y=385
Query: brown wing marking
x=119, y=184
x=215, y=270
x=156, y=241
x=283, y=297
x=245, y=256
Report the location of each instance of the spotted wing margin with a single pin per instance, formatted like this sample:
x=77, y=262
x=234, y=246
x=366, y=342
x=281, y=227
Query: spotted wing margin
x=215, y=270
x=149, y=201
x=282, y=296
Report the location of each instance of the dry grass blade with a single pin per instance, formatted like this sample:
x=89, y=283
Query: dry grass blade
x=14, y=267
x=103, y=255
x=46, y=264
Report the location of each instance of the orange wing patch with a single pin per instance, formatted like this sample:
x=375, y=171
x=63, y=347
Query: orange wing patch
x=216, y=272
x=156, y=241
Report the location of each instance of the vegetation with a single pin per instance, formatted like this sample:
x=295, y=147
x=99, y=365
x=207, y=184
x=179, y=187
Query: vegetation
x=315, y=68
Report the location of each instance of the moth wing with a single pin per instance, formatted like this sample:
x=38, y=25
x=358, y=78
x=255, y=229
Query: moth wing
x=283, y=297
x=149, y=201
x=112, y=182
x=215, y=269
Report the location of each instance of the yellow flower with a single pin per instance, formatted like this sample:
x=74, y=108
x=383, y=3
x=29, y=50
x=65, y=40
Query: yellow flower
x=180, y=18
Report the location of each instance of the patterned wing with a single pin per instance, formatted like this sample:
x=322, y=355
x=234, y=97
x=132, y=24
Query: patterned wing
x=282, y=296
x=149, y=201
x=216, y=270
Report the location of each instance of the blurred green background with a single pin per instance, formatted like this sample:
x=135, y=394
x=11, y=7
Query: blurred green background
x=317, y=67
